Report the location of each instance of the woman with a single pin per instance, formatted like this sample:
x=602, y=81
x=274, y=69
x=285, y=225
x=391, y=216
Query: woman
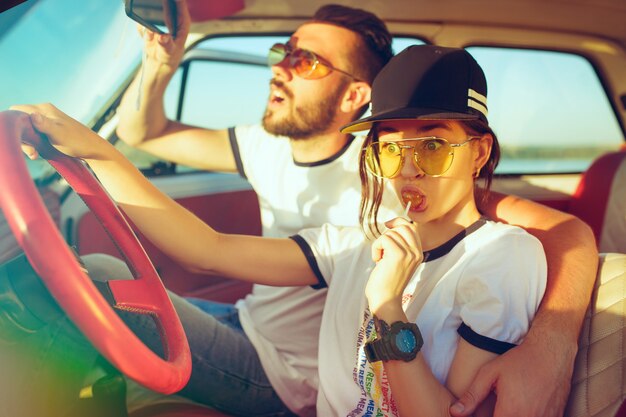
x=417, y=311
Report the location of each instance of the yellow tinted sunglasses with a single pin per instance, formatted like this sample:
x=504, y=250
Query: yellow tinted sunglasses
x=432, y=155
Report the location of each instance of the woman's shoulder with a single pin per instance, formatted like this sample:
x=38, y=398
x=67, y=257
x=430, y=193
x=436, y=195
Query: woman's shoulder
x=494, y=231
x=502, y=282
x=499, y=251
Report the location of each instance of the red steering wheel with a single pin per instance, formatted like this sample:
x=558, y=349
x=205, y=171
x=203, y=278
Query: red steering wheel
x=58, y=267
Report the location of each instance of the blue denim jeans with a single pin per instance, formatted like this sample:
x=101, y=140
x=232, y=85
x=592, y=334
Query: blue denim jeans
x=225, y=313
x=226, y=371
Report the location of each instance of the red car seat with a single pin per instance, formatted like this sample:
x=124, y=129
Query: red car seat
x=600, y=200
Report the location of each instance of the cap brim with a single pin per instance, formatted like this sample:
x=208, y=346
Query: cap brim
x=406, y=114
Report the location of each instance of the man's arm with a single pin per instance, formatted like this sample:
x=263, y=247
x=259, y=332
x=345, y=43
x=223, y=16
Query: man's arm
x=534, y=378
x=143, y=123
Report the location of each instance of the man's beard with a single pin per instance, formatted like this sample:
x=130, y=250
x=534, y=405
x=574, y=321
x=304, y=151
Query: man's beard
x=305, y=121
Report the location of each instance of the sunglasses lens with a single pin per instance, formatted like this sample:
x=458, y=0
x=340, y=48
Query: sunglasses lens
x=384, y=159
x=276, y=54
x=307, y=66
x=433, y=156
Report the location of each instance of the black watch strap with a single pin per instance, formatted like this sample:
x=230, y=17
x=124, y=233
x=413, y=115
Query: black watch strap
x=374, y=351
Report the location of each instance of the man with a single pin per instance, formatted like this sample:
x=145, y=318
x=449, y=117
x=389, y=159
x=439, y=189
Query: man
x=299, y=143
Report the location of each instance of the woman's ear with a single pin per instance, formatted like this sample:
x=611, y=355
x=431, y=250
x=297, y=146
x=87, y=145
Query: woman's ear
x=357, y=95
x=483, y=150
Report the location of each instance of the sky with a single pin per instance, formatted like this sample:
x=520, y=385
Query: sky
x=56, y=53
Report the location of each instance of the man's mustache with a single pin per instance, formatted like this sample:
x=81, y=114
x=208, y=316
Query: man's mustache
x=281, y=86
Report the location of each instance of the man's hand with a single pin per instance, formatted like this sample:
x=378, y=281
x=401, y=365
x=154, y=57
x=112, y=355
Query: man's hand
x=163, y=49
x=531, y=380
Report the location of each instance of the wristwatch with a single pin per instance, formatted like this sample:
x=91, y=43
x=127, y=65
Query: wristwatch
x=400, y=341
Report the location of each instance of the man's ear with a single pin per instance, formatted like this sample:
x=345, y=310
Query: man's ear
x=357, y=95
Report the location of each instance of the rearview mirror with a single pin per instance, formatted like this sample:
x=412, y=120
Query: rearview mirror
x=159, y=16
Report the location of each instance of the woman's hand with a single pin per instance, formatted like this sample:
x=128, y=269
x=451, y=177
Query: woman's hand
x=163, y=50
x=66, y=134
x=397, y=253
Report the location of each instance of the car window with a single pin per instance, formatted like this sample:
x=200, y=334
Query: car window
x=214, y=99
x=226, y=84
x=550, y=111
x=241, y=88
x=72, y=54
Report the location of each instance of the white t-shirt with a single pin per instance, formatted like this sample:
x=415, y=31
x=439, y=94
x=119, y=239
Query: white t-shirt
x=283, y=323
x=489, y=286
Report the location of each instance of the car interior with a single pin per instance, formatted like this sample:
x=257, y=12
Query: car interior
x=558, y=68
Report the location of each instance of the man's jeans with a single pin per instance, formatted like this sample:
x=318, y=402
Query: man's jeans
x=226, y=371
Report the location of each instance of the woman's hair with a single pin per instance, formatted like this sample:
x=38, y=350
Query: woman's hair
x=372, y=187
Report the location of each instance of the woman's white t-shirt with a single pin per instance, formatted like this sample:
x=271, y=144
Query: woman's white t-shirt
x=490, y=282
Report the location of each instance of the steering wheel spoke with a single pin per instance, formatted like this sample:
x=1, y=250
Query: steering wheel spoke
x=135, y=295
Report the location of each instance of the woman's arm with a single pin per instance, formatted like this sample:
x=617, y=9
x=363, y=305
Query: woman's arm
x=416, y=391
x=431, y=398
x=398, y=253
x=171, y=227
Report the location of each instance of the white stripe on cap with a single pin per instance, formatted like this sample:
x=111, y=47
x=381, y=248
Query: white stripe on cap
x=477, y=101
x=477, y=96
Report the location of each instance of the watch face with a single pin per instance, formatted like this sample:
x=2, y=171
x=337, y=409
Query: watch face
x=405, y=341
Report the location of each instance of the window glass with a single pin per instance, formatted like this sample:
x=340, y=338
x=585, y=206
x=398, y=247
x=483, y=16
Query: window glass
x=401, y=43
x=223, y=94
x=74, y=54
x=227, y=84
x=549, y=110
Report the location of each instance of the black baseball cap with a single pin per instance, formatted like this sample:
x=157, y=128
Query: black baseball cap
x=427, y=82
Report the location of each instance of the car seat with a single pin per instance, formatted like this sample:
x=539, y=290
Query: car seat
x=600, y=201
x=599, y=380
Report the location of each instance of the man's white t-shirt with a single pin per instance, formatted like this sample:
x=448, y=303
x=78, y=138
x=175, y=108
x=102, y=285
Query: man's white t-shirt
x=489, y=283
x=283, y=323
